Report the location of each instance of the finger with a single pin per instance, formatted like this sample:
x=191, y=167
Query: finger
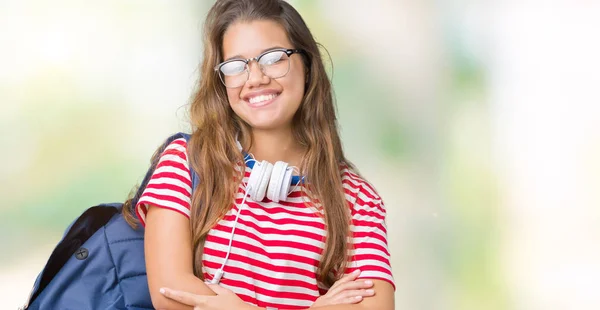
x=346, y=278
x=350, y=300
x=354, y=293
x=357, y=284
x=183, y=297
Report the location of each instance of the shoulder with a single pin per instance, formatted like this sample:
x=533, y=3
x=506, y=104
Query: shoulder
x=359, y=192
x=177, y=147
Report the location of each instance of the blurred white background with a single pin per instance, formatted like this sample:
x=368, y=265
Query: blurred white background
x=477, y=121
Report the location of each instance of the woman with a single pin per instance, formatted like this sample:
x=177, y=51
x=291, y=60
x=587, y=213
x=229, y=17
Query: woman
x=318, y=239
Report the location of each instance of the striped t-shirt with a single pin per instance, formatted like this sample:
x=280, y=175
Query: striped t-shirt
x=276, y=247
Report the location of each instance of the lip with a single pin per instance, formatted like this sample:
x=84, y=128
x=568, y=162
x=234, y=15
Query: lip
x=265, y=92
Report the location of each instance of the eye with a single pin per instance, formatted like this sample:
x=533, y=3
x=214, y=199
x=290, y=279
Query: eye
x=272, y=58
x=233, y=67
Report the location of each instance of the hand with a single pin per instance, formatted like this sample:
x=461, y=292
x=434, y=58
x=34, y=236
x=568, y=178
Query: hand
x=346, y=290
x=225, y=299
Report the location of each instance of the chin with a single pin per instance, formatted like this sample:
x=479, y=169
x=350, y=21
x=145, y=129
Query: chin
x=268, y=124
x=265, y=125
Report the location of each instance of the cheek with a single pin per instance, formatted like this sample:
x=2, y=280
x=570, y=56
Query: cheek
x=233, y=95
x=295, y=83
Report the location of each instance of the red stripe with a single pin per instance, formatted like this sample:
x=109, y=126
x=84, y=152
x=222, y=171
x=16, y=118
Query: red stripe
x=139, y=214
x=173, y=164
x=180, y=141
x=363, y=257
x=249, y=299
x=269, y=230
x=359, y=189
x=288, y=218
x=262, y=251
x=171, y=149
x=267, y=292
x=256, y=263
x=287, y=207
x=172, y=175
x=362, y=223
x=371, y=204
x=262, y=277
x=272, y=243
x=284, y=221
x=369, y=234
x=364, y=212
x=172, y=199
x=170, y=208
x=350, y=270
x=171, y=187
x=358, y=179
x=370, y=246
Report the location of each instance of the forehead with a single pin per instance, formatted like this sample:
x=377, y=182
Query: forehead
x=249, y=39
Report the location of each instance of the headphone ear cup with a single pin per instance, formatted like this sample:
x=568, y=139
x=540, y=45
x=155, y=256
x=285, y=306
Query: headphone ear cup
x=286, y=183
x=262, y=181
x=254, y=179
x=274, y=191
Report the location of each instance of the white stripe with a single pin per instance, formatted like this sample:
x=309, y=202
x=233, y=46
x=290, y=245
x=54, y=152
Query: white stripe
x=172, y=182
x=369, y=262
x=360, y=184
x=282, y=215
x=365, y=207
x=376, y=274
x=369, y=240
x=285, y=250
x=270, y=273
x=173, y=169
x=369, y=231
x=367, y=199
x=176, y=146
x=270, y=225
x=142, y=214
x=366, y=229
x=265, y=298
x=371, y=251
x=149, y=201
x=367, y=218
x=271, y=236
x=173, y=158
x=168, y=192
x=260, y=257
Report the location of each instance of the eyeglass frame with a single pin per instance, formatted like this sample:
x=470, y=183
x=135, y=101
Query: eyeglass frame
x=288, y=51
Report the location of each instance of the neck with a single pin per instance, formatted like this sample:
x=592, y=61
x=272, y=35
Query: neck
x=275, y=146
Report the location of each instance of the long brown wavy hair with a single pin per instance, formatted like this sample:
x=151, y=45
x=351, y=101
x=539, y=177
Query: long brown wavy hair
x=212, y=147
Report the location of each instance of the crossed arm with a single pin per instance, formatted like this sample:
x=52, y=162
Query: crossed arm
x=169, y=265
x=226, y=299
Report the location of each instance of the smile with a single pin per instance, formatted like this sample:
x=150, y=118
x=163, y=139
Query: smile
x=262, y=100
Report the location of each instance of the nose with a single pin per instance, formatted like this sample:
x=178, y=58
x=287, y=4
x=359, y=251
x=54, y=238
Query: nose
x=255, y=75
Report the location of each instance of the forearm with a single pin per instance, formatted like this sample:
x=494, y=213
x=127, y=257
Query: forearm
x=188, y=283
x=338, y=307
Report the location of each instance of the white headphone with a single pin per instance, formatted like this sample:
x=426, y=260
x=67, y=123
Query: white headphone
x=274, y=181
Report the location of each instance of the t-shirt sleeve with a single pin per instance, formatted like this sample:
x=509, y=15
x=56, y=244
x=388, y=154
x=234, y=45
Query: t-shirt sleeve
x=369, y=248
x=170, y=186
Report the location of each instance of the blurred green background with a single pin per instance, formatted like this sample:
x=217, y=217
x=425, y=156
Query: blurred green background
x=478, y=123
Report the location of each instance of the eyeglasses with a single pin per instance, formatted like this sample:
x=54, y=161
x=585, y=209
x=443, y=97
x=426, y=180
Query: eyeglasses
x=274, y=63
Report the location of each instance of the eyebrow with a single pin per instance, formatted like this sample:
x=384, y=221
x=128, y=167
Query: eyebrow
x=265, y=50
